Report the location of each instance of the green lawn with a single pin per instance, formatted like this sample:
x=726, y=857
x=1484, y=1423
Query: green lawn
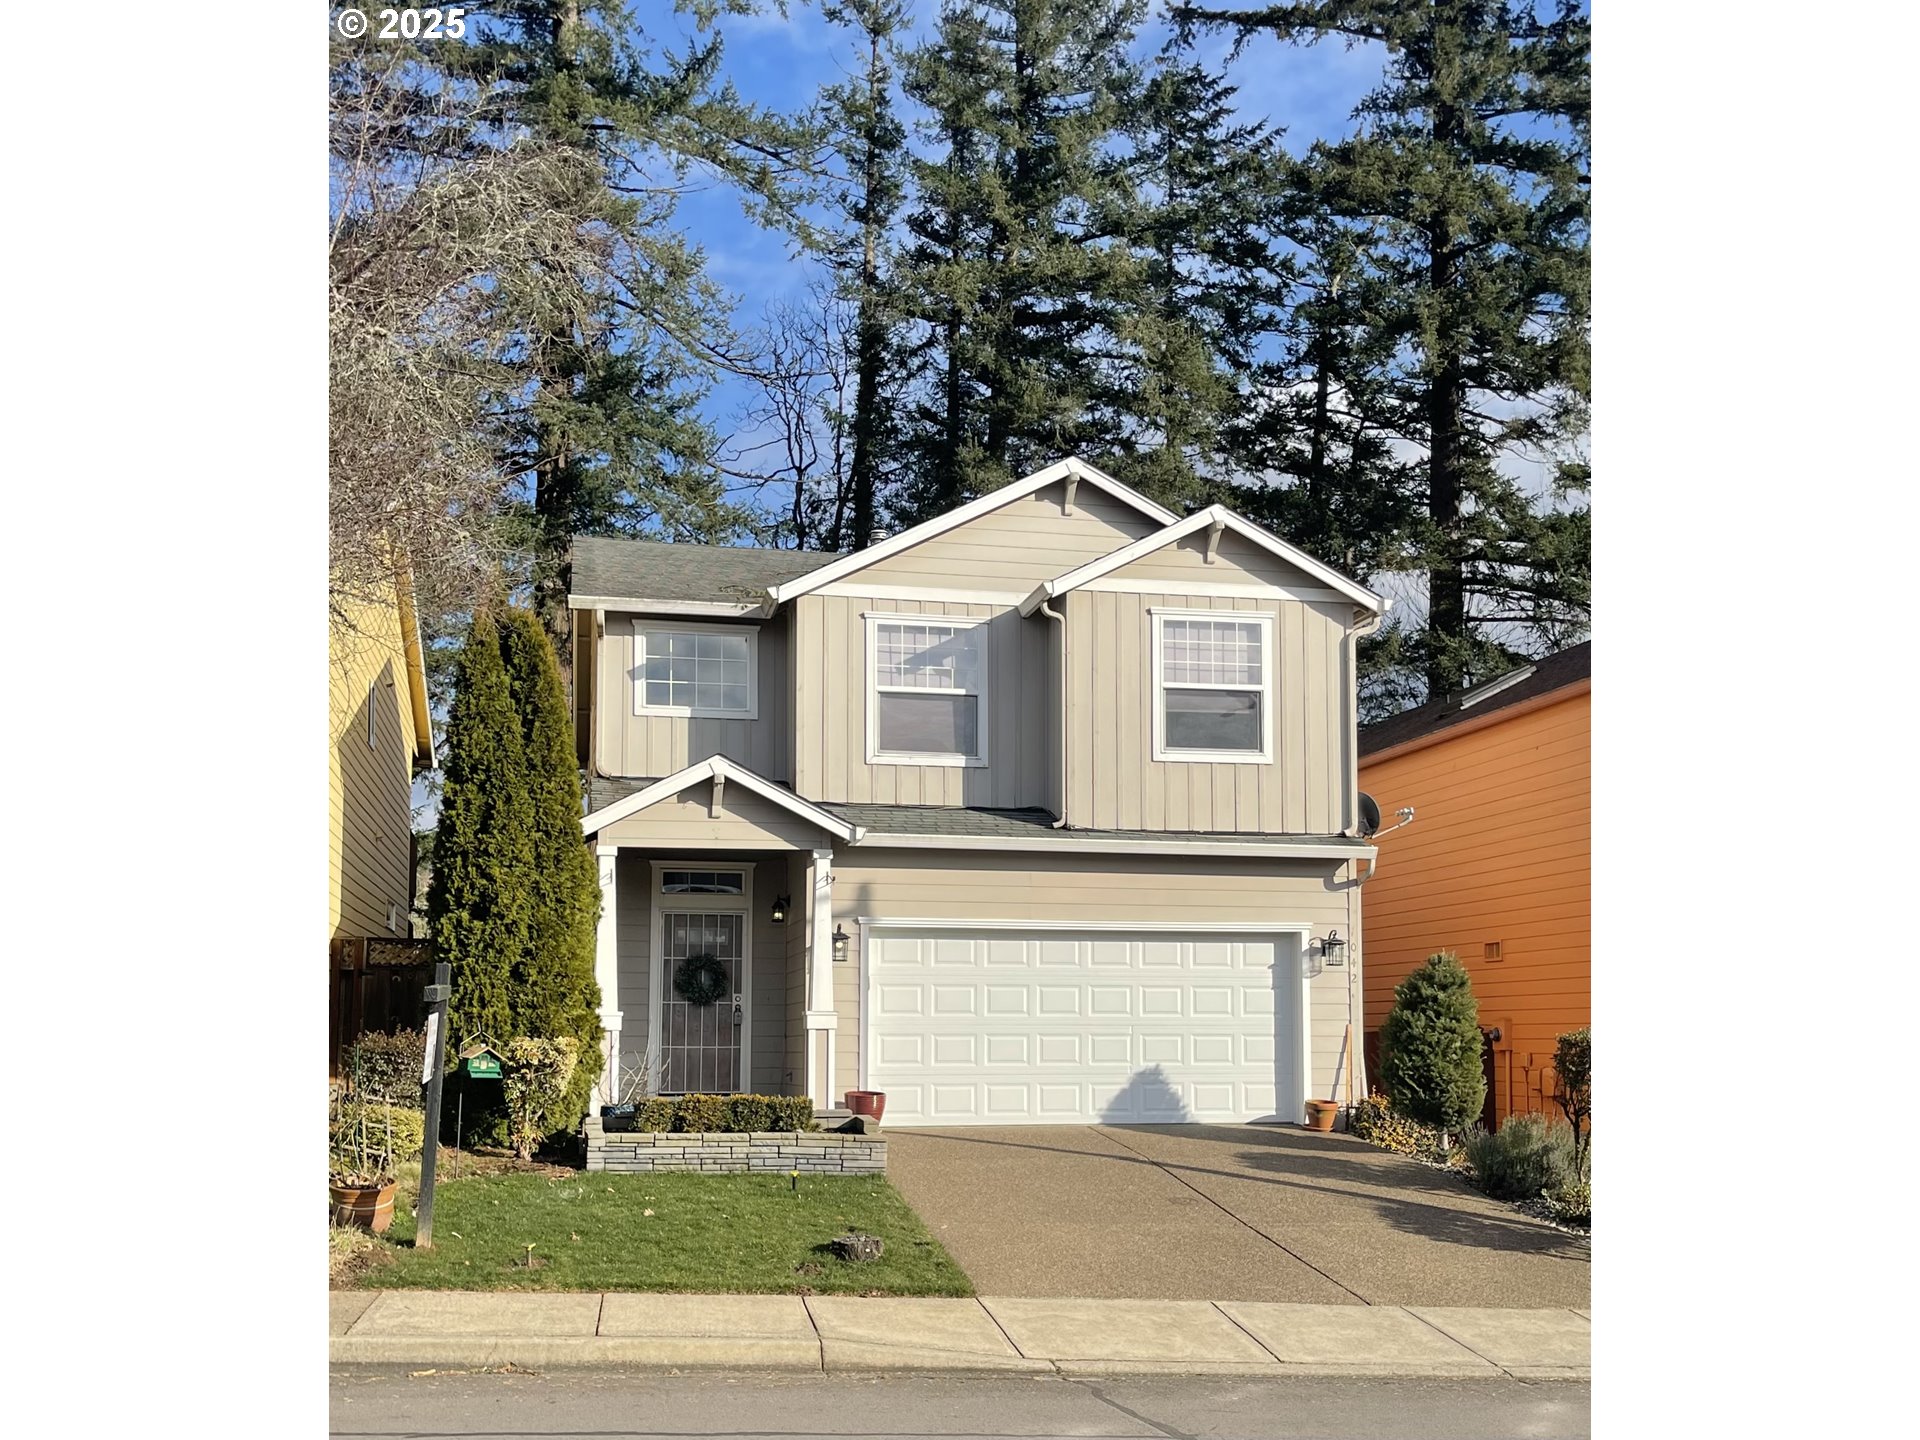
x=748, y=1234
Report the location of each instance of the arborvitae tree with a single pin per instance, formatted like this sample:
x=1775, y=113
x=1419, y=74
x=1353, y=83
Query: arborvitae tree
x=1022, y=266
x=481, y=900
x=1430, y=1046
x=871, y=143
x=1470, y=174
x=555, y=993
x=607, y=429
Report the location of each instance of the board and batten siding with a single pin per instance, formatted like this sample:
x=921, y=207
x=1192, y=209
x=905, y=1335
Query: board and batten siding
x=651, y=746
x=369, y=787
x=1499, y=854
x=1113, y=781
x=830, y=730
x=1153, y=890
x=770, y=1063
x=1014, y=548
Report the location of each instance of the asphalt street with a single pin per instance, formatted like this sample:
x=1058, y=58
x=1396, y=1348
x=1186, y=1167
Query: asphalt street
x=603, y=1406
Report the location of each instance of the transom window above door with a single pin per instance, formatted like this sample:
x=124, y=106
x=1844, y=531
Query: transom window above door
x=703, y=882
x=703, y=671
x=927, y=690
x=1214, y=687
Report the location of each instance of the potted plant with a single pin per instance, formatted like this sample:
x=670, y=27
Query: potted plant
x=360, y=1178
x=1320, y=1114
x=871, y=1103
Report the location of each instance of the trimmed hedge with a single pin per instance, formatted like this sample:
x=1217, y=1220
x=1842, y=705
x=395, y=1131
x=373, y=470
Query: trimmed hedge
x=387, y=1066
x=719, y=1114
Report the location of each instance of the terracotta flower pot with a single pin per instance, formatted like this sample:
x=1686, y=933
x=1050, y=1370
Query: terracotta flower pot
x=368, y=1206
x=1321, y=1113
x=872, y=1103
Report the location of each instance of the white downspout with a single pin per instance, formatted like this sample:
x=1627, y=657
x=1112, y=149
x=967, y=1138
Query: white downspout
x=1046, y=609
x=1356, y=1062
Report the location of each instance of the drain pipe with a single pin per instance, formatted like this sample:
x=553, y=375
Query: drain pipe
x=1046, y=609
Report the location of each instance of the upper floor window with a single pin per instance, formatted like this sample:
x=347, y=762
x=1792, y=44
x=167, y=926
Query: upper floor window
x=1213, y=682
x=703, y=671
x=927, y=690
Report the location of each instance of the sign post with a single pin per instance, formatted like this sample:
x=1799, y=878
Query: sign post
x=436, y=997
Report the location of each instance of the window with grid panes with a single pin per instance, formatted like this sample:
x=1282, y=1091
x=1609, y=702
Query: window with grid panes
x=1214, y=686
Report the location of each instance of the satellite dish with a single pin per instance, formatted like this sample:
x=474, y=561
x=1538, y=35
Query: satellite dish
x=1369, y=815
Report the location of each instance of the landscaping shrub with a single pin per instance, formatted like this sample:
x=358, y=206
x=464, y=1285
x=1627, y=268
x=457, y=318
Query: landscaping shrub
x=1572, y=1202
x=1525, y=1158
x=535, y=1078
x=387, y=1067
x=368, y=1139
x=1374, y=1121
x=1430, y=1044
x=1573, y=1084
x=723, y=1114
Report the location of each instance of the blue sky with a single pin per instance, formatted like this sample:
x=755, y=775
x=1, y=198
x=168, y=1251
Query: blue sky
x=783, y=61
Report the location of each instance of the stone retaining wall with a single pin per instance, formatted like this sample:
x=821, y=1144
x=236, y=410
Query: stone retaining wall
x=759, y=1152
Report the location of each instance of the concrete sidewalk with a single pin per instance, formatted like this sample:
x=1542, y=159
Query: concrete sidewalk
x=471, y=1329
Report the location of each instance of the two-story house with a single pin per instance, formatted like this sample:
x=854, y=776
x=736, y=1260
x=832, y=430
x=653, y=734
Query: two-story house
x=380, y=736
x=1040, y=811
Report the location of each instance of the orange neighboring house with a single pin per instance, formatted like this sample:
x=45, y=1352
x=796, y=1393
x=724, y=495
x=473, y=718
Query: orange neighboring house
x=1494, y=866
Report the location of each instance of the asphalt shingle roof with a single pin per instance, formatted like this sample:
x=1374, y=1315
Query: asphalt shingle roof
x=654, y=570
x=1555, y=672
x=960, y=821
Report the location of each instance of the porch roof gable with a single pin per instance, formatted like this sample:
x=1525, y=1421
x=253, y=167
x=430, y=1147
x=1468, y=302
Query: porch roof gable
x=718, y=768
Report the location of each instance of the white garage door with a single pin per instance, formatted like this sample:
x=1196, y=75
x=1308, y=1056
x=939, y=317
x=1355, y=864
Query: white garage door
x=1049, y=1027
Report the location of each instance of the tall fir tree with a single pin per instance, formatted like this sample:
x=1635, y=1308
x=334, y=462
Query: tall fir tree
x=1205, y=187
x=555, y=992
x=481, y=900
x=1430, y=1046
x=870, y=141
x=1021, y=263
x=1469, y=173
x=608, y=429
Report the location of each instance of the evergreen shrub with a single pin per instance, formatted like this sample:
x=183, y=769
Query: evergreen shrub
x=1430, y=1046
x=1524, y=1159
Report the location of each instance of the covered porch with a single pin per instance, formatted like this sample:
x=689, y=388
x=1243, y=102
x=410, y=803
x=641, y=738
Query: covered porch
x=715, y=945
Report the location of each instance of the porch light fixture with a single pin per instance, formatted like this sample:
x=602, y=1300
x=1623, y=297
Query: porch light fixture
x=1333, y=950
x=780, y=904
x=840, y=938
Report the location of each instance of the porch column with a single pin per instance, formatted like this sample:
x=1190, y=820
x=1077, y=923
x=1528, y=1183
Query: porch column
x=606, y=967
x=821, y=1019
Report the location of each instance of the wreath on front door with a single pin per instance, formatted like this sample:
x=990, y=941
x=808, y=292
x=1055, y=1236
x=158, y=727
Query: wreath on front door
x=700, y=979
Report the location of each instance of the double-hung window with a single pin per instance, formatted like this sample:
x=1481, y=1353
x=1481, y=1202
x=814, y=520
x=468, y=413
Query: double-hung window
x=927, y=690
x=703, y=671
x=1213, y=678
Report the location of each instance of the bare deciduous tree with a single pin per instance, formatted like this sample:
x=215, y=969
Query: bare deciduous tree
x=427, y=227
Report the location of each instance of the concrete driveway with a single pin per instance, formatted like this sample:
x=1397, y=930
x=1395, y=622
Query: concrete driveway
x=1223, y=1212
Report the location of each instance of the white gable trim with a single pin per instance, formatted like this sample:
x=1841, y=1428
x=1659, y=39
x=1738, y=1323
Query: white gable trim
x=1072, y=468
x=1212, y=517
x=719, y=769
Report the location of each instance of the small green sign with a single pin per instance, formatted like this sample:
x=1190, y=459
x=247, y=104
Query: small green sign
x=485, y=1066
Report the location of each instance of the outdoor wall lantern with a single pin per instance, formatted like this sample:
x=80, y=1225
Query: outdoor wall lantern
x=780, y=909
x=1333, y=950
x=840, y=938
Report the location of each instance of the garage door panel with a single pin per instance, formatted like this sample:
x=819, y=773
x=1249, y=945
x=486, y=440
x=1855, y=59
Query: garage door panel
x=1123, y=1028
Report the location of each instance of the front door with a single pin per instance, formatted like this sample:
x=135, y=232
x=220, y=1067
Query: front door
x=700, y=1037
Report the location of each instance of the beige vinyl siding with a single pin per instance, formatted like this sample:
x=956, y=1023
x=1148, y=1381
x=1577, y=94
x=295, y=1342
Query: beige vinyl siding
x=1237, y=561
x=1155, y=890
x=745, y=821
x=830, y=733
x=1114, y=781
x=644, y=746
x=369, y=788
x=769, y=948
x=799, y=886
x=1014, y=548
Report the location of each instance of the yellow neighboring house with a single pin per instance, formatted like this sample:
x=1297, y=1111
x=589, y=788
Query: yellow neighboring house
x=380, y=737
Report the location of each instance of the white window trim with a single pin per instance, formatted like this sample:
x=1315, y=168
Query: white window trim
x=661, y=902
x=637, y=671
x=1157, y=617
x=875, y=755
